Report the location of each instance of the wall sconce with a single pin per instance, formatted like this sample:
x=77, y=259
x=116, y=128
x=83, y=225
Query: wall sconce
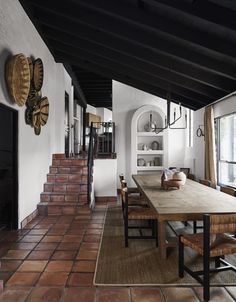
x=200, y=131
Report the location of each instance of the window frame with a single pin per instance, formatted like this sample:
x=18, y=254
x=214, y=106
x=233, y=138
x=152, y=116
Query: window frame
x=190, y=128
x=217, y=144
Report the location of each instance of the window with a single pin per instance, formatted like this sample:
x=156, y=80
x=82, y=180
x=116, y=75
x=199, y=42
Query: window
x=190, y=128
x=226, y=149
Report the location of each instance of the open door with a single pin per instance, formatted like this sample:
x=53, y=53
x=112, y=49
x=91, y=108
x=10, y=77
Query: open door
x=8, y=168
x=67, y=125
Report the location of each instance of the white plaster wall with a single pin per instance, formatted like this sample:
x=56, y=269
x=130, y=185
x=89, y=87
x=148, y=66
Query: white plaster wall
x=126, y=100
x=91, y=109
x=18, y=35
x=226, y=106
x=79, y=116
x=196, y=155
x=104, y=113
x=105, y=171
x=107, y=115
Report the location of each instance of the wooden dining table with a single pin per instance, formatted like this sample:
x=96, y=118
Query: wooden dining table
x=188, y=203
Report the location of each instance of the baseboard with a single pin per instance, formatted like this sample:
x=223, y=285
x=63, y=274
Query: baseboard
x=29, y=218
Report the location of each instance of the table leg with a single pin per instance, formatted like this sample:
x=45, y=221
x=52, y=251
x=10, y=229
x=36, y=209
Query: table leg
x=162, y=239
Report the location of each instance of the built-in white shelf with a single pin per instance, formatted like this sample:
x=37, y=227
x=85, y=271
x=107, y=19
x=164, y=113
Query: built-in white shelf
x=149, y=168
x=149, y=134
x=150, y=152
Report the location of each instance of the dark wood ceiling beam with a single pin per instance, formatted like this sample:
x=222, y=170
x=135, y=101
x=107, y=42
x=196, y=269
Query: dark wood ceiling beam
x=204, y=10
x=196, y=24
x=91, y=88
x=178, y=68
x=133, y=81
x=100, y=95
x=78, y=91
x=86, y=80
x=121, y=15
x=166, y=50
x=167, y=20
x=104, y=105
x=185, y=86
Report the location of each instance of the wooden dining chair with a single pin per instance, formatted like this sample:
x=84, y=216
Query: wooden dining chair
x=134, y=200
x=228, y=190
x=212, y=243
x=132, y=190
x=185, y=170
x=138, y=214
x=207, y=183
x=191, y=176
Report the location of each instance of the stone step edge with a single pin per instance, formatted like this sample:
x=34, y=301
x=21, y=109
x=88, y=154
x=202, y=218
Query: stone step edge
x=56, y=203
x=70, y=158
x=57, y=183
x=63, y=156
x=84, y=174
x=64, y=193
x=47, y=209
x=69, y=166
x=66, y=174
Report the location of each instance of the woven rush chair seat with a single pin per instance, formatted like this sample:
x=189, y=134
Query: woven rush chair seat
x=214, y=242
x=141, y=213
x=220, y=245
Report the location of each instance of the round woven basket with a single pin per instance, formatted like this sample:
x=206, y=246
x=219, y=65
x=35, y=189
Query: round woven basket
x=18, y=78
x=33, y=97
x=44, y=110
x=37, y=131
x=38, y=74
x=36, y=117
x=31, y=67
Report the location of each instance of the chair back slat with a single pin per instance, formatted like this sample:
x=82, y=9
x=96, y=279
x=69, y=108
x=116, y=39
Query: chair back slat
x=222, y=223
x=228, y=190
x=185, y=170
x=205, y=182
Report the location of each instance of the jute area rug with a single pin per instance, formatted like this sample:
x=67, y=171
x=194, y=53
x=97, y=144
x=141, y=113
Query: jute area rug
x=139, y=264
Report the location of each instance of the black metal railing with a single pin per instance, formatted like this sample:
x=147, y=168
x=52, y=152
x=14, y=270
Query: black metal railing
x=105, y=140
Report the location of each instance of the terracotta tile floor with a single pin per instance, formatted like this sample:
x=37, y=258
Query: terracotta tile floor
x=53, y=259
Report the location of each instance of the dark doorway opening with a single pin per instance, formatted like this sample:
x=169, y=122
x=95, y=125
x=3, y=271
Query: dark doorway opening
x=67, y=125
x=8, y=168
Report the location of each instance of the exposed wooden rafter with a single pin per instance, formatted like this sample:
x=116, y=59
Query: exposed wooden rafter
x=150, y=44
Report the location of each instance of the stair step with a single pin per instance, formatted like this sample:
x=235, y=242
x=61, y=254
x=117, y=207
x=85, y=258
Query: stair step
x=80, y=170
x=67, y=178
x=63, y=156
x=65, y=188
x=63, y=197
x=69, y=162
x=47, y=208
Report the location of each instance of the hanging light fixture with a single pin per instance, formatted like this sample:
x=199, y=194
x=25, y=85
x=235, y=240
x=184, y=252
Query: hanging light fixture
x=168, y=122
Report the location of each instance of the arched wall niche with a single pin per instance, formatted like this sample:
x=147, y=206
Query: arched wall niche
x=148, y=149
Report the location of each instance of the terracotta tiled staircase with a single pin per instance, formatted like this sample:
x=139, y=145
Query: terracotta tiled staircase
x=65, y=191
